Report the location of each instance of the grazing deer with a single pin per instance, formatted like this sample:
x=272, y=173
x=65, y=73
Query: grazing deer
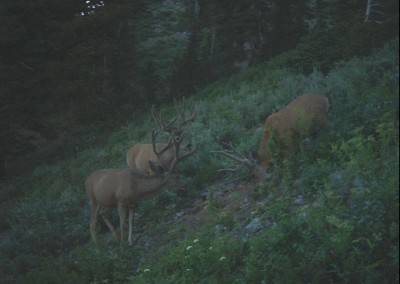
x=125, y=188
x=283, y=131
x=139, y=154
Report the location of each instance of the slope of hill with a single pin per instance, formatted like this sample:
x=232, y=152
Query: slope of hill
x=330, y=214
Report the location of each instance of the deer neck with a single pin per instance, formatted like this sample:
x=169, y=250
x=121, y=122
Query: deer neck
x=151, y=185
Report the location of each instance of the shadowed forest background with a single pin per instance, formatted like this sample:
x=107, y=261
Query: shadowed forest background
x=70, y=70
x=78, y=79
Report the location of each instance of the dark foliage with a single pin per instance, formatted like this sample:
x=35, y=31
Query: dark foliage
x=72, y=69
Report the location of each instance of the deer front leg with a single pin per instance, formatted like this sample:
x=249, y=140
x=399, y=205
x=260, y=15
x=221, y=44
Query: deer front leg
x=131, y=219
x=122, y=216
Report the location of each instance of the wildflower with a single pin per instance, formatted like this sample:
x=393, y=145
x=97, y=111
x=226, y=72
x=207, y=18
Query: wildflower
x=189, y=248
x=196, y=241
x=222, y=258
x=146, y=270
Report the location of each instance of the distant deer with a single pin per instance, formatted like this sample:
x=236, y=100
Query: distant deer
x=139, y=154
x=125, y=188
x=283, y=131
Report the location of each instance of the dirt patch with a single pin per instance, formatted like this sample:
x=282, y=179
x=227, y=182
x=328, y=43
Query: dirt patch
x=237, y=201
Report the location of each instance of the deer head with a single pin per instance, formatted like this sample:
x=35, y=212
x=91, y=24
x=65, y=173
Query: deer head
x=283, y=132
x=139, y=154
x=125, y=188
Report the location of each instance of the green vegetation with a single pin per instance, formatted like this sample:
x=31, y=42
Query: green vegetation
x=74, y=70
x=344, y=230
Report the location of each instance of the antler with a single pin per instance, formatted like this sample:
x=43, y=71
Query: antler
x=233, y=154
x=177, y=145
x=166, y=127
x=181, y=108
x=176, y=140
x=159, y=153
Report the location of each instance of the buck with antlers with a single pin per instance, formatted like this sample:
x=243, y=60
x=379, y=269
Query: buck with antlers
x=139, y=154
x=125, y=188
x=283, y=131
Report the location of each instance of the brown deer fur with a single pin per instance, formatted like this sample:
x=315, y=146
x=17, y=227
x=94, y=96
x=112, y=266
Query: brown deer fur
x=299, y=119
x=283, y=131
x=124, y=189
x=139, y=155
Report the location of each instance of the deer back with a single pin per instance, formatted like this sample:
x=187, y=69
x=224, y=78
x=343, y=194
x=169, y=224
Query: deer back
x=299, y=119
x=106, y=186
x=109, y=187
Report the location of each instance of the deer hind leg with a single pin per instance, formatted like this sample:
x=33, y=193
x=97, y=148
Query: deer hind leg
x=122, y=217
x=104, y=214
x=93, y=219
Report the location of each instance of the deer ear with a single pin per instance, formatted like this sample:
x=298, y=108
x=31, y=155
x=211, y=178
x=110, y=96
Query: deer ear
x=156, y=167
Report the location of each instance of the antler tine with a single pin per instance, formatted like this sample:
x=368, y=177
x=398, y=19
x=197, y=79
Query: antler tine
x=158, y=118
x=181, y=108
x=188, y=154
x=154, y=134
x=235, y=169
x=153, y=141
x=233, y=154
x=230, y=153
x=177, y=143
x=233, y=149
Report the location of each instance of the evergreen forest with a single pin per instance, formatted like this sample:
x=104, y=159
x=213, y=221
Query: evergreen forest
x=78, y=79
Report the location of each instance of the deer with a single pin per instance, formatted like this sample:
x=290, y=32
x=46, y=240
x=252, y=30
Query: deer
x=283, y=131
x=139, y=154
x=125, y=188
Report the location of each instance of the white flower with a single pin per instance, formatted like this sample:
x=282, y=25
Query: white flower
x=189, y=248
x=146, y=270
x=196, y=241
x=222, y=258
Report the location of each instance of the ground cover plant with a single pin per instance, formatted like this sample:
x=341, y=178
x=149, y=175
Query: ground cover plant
x=329, y=215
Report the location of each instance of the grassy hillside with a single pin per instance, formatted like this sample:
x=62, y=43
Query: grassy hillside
x=330, y=214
